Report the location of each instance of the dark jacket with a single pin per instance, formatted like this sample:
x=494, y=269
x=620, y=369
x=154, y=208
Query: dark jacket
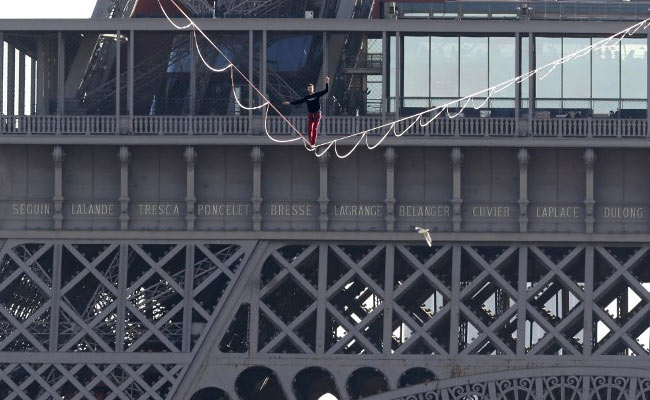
x=313, y=100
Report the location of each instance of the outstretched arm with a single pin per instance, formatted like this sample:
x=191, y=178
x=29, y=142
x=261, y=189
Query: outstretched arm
x=327, y=87
x=295, y=101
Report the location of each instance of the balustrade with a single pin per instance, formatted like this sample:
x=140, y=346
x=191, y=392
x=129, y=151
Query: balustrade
x=91, y=125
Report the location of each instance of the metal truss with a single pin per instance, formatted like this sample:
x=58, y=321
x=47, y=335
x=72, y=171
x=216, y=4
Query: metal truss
x=107, y=320
x=399, y=315
x=87, y=381
x=163, y=319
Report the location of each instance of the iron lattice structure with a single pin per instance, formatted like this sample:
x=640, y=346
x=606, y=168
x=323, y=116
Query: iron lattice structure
x=136, y=320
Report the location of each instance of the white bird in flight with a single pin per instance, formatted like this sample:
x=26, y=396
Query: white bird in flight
x=424, y=232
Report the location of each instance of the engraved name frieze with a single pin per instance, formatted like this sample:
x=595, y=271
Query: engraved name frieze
x=223, y=209
x=92, y=209
x=557, y=212
x=31, y=208
x=158, y=209
x=355, y=210
x=290, y=209
x=622, y=212
x=424, y=210
x=491, y=211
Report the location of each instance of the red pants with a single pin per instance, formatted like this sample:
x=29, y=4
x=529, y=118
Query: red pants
x=313, y=120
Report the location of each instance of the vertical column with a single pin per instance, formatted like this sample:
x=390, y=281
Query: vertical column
x=588, y=301
x=321, y=301
x=390, y=156
x=187, y=298
x=590, y=159
x=55, y=297
x=384, y=76
x=121, y=298
x=190, y=199
x=60, y=81
x=11, y=80
x=523, y=157
x=192, y=74
x=518, y=85
x=57, y=156
x=256, y=156
x=647, y=59
x=131, y=76
x=118, y=78
x=2, y=71
x=398, y=73
x=454, y=318
x=21, y=83
x=457, y=200
x=124, y=155
x=323, y=197
x=531, y=81
x=251, y=60
x=388, y=299
x=42, y=106
x=32, y=88
x=522, y=285
x=263, y=78
x=325, y=72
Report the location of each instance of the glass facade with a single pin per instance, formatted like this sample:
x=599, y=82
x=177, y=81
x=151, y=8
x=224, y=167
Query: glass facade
x=610, y=81
x=438, y=69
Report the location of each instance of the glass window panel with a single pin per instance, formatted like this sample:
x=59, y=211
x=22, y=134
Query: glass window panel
x=576, y=73
x=502, y=64
x=4, y=78
x=605, y=77
x=473, y=64
x=16, y=82
x=392, y=70
x=524, y=66
x=374, y=46
x=634, y=72
x=444, y=67
x=548, y=84
x=28, y=85
x=416, y=66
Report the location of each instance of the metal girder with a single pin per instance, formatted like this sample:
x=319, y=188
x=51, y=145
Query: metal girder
x=351, y=317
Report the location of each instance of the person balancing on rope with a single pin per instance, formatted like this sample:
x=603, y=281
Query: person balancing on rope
x=313, y=109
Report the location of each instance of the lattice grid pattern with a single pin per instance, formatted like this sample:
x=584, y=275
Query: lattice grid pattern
x=503, y=300
x=402, y=302
x=84, y=300
x=128, y=318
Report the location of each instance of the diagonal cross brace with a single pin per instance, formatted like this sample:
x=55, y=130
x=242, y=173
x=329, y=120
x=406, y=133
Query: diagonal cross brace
x=423, y=270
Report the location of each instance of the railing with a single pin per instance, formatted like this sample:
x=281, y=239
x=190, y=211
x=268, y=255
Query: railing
x=334, y=125
x=330, y=126
x=188, y=125
x=51, y=124
x=545, y=10
x=461, y=127
x=589, y=127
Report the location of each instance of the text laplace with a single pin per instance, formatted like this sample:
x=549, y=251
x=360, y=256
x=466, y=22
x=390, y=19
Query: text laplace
x=557, y=212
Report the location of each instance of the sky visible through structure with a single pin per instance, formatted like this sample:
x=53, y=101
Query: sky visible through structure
x=13, y=9
x=46, y=8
